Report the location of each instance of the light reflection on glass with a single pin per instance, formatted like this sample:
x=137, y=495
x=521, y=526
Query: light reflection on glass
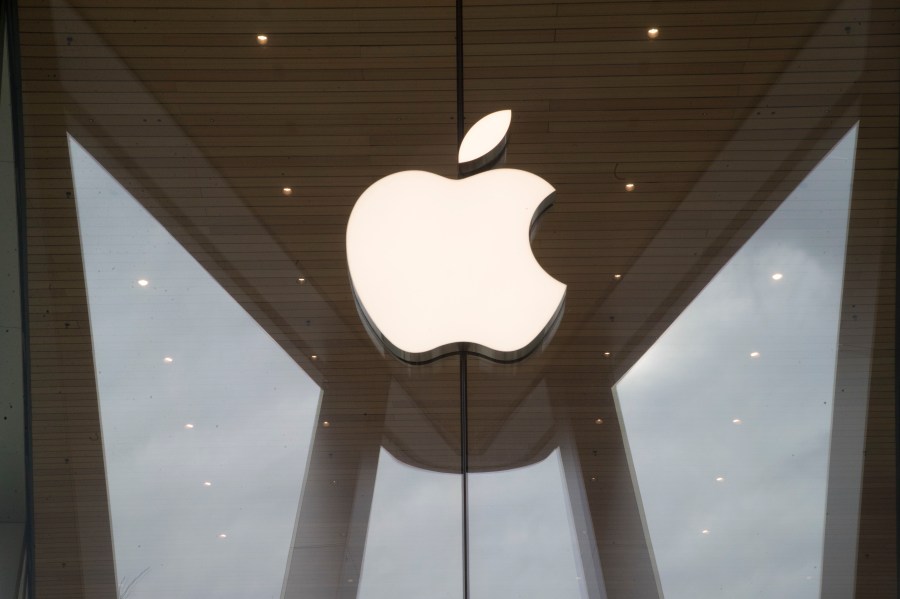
x=258, y=411
x=414, y=542
x=675, y=402
x=523, y=541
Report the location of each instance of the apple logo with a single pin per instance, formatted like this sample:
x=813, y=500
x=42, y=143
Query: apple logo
x=439, y=266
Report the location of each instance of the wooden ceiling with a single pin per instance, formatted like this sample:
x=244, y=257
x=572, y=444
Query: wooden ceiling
x=715, y=122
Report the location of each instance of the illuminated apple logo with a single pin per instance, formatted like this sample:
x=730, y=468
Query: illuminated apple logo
x=440, y=265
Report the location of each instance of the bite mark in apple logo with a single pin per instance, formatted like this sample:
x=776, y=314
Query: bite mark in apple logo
x=439, y=266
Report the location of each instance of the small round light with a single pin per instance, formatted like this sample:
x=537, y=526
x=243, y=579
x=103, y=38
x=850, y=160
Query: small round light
x=207, y=483
x=606, y=354
x=653, y=33
x=737, y=421
x=287, y=191
x=314, y=357
x=168, y=360
x=188, y=426
x=705, y=531
x=777, y=276
x=262, y=39
x=720, y=479
x=598, y=421
x=754, y=354
x=326, y=424
x=143, y=282
x=629, y=187
x=223, y=536
x=593, y=479
x=617, y=277
x=301, y=280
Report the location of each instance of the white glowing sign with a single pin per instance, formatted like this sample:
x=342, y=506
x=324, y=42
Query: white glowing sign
x=440, y=265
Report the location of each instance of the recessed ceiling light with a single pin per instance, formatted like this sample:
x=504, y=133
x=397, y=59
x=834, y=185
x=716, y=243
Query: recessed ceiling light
x=720, y=479
x=653, y=33
x=188, y=426
x=143, y=282
x=326, y=424
x=207, y=483
x=617, y=277
x=223, y=536
x=287, y=191
x=777, y=276
x=262, y=39
x=314, y=357
x=737, y=421
x=705, y=531
x=301, y=280
x=168, y=360
x=754, y=354
x=598, y=421
x=606, y=354
x=629, y=187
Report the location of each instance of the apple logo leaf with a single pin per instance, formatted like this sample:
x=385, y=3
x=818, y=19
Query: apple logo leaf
x=484, y=146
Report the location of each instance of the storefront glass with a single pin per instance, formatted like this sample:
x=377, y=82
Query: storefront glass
x=713, y=415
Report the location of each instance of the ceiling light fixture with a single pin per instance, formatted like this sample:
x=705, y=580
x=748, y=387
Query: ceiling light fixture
x=168, y=360
x=287, y=191
x=143, y=282
x=629, y=187
x=206, y=483
x=720, y=479
x=188, y=426
x=653, y=33
x=617, y=277
x=754, y=354
x=301, y=280
x=737, y=421
x=262, y=39
x=326, y=424
x=777, y=276
x=598, y=421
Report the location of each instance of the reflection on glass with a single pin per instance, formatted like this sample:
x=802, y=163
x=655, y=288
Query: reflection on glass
x=522, y=536
x=206, y=421
x=414, y=542
x=728, y=416
x=523, y=541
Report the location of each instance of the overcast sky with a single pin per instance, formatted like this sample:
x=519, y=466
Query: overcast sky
x=252, y=410
x=765, y=519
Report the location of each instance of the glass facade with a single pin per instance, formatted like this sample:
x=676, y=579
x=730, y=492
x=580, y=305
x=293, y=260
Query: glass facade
x=213, y=414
